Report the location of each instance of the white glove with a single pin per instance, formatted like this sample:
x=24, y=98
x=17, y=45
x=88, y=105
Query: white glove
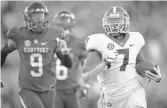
x=62, y=46
x=111, y=57
x=154, y=74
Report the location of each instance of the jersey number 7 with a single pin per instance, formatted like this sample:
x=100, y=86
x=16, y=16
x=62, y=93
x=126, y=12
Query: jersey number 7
x=125, y=52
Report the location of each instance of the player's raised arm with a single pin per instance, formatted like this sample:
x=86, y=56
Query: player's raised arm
x=63, y=54
x=8, y=47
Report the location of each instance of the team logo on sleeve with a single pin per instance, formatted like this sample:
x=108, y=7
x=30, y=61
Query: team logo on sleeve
x=27, y=43
x=110, y=46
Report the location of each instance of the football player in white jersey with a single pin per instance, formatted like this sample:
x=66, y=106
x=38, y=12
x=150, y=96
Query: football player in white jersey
x=113, y=56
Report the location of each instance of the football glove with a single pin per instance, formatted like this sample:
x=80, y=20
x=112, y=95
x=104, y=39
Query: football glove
x=153, y=74
x=62, y=46
x=83, y=92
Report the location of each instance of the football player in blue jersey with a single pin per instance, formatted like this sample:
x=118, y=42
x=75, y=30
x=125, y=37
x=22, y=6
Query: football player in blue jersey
x=37, y=44
x=70, y=85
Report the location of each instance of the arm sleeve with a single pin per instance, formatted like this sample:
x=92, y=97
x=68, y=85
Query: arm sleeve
x=13, y=34
x=10, y=46
x=83, y=56
x=6, y=49
x=140, y=41
x=140, y=57
x=66, y=59
x=93, y=59
x=2, y=85
x=81, y=53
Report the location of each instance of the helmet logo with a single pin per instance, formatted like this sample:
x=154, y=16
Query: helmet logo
x=110, y=46
x=114, y=9
x=27, y=43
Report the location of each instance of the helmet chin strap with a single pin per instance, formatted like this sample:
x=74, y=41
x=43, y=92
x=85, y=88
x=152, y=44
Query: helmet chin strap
x=114, y=34
x=109, y=33
x=118, y=36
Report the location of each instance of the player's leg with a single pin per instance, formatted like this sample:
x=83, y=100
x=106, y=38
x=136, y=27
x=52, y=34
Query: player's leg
x=72, y=99
x=30, y=99
x=48, y=98
x=59, y=103
x=137, y=99
x=117, y=104
x=101, y=103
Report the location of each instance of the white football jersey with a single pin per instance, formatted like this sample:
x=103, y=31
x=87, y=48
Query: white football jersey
x=121, y=78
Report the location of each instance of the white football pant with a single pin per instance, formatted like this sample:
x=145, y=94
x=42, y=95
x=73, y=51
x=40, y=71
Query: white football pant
x=136, y=100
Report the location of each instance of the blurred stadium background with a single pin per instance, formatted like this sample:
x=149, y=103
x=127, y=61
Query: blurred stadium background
x=147, y=17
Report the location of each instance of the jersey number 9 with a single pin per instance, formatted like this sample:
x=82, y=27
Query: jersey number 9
x=36, y=61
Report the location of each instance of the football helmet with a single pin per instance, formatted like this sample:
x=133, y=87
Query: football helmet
x=116, y=20
x=64, y=19
x=36, y=16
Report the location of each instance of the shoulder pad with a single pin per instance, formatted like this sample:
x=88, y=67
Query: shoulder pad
x=13, y=33
x=140, y=38
x=92, y=42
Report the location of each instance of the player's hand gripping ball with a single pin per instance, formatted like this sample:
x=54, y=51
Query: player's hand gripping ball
x=62, y=46
x=149, y=70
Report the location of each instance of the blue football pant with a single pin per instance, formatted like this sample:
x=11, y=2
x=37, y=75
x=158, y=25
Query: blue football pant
x=65, y=99
x=33, y=99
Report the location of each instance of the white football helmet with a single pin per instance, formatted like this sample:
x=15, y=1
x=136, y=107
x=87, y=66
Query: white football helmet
x=116, y=20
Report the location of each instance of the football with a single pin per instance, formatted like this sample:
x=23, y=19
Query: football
x=144, y=65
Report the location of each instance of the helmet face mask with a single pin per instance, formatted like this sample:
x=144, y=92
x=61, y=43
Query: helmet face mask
x=116, y=22
x=63, y=21
x=36, y=16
